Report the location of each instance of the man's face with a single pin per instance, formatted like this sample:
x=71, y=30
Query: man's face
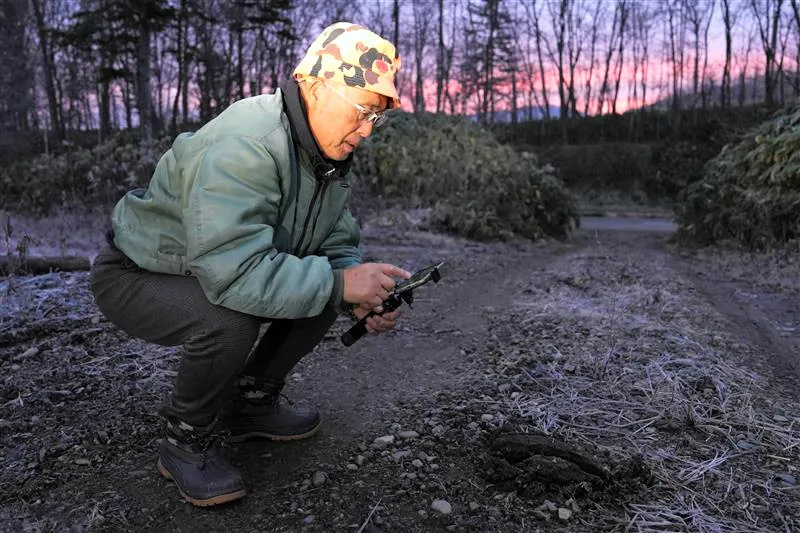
x=335, y=121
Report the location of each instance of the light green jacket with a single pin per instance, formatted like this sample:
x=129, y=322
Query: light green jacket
x=229, y=205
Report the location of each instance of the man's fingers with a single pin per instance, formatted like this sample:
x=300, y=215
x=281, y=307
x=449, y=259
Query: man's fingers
x=391, y=270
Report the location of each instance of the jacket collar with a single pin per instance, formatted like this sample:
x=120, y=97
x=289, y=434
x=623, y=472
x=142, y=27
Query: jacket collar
x=295, y=109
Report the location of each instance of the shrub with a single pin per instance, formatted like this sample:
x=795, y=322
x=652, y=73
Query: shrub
x=750, y=191
x=80, y=176
x=477, y=187
x=597, y=169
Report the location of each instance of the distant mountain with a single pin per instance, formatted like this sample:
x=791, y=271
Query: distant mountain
x=504, y=116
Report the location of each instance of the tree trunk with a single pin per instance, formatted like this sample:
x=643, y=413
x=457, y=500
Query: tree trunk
x=143, y=97
x=53, y=104
x=10, y=264
x=726, y=70
x=179, y=58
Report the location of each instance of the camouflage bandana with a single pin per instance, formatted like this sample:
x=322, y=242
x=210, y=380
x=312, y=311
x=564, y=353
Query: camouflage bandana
x=352, y=55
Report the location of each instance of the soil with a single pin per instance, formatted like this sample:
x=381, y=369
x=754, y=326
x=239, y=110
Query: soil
x=613, y=382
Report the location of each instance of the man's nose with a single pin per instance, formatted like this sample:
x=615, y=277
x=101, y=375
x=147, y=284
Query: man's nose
x=365, y=129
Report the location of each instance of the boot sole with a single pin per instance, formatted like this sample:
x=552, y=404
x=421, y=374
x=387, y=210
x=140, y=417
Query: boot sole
x=222, y=498
x=269, y=436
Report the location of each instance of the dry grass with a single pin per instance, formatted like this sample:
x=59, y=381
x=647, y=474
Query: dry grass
x=623, y=357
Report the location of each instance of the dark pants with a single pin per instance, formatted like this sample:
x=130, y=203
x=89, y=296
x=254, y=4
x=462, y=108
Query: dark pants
x=173, y=310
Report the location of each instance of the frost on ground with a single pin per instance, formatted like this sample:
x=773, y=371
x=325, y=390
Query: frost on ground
x=599, y=385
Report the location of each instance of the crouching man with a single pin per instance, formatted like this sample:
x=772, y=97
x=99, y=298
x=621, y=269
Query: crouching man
x=246, y=222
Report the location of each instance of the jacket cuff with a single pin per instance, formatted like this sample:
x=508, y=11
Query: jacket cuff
x=336, y=300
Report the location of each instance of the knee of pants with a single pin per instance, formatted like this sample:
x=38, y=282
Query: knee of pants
x=234, y=335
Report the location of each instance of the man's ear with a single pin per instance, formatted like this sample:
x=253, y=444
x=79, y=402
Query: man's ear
x=314, y=88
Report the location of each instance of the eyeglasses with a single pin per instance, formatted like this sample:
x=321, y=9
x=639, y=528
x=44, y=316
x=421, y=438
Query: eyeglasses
x=364, y=114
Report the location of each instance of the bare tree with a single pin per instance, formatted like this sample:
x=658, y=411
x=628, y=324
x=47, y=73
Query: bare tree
x=728, y=18
x=423, y=15
x=768, y=17
x=48, y=68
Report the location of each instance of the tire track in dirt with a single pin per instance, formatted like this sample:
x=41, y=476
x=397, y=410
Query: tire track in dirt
x=754, y=324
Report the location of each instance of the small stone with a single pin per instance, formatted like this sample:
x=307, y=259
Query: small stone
x=504, y=387
x=82, y=461
x=550, y=506
x=352, y=466
x=438, y=431
x=780, y=418
x=383, y=442
x=422, y=513
x=319, y=478
x=442, y=506
x=408, y=434
x=564, y=513
x=744, y=445
x=487, y=417
x=360, y=460
x=297, y=376
x=473, y=426
x=402, y=454
x=788, y=479
x=95, y=319
x=417, y=463
x=309, y=519
x=474, y=506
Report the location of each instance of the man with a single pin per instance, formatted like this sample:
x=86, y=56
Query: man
x=246, y=222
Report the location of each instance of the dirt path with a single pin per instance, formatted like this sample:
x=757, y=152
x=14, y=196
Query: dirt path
x=79, y=431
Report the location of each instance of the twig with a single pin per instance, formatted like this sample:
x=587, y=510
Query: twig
x=369, y=517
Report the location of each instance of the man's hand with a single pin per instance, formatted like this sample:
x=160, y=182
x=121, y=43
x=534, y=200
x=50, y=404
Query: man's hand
x=378, y=323
x=368, y=285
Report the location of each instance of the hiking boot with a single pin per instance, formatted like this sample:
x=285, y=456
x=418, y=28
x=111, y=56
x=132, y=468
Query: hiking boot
x=189, y=455
x=255, y=411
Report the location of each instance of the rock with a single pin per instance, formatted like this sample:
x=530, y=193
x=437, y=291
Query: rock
x=383, y=442
x=360, y=460
x=422, y=513
x=309, y=519
x=351, y=466
x=487, y=417
x=550, y=506
x=780, y=418
x=473, y=426
x=744, y=445
x=474, y=506
x=564, y=513
x=442, y=506
x=408, y=434
x=417, y=463
x=402, y=454
x=318, y=479
x=788, y=479
x=82, y=461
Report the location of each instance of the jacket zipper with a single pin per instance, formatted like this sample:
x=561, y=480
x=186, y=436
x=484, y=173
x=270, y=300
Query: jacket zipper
x=325, y=184
x=320, y=185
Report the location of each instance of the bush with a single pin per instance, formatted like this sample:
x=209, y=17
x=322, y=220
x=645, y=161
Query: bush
x=477, y=187
x=597, y=169
x=80, y=176
x=750, y=192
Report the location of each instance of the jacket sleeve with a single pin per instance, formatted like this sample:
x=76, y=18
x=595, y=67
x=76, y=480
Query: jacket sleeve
x=341, y=245
x=234, y=197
